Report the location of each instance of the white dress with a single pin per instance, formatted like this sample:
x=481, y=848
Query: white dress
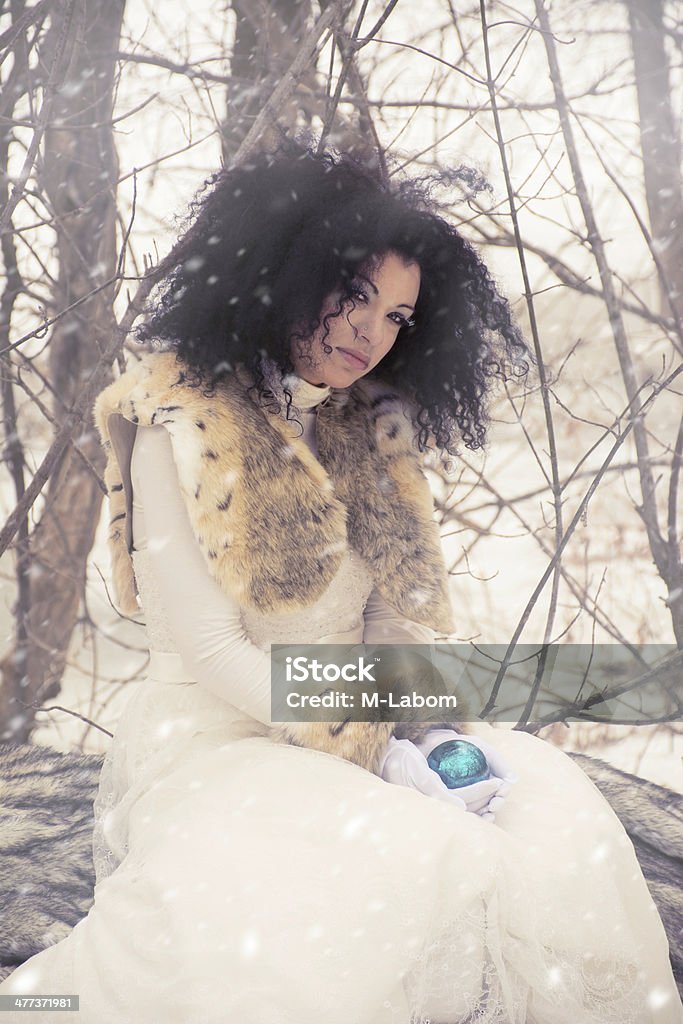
x=244, y=881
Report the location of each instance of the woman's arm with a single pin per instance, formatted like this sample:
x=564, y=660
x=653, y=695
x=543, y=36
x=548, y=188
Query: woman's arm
x=384, y=625
x=405, y=762
x=204, y=620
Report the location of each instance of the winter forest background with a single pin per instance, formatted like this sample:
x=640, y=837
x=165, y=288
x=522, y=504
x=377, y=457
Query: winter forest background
x=562, y=122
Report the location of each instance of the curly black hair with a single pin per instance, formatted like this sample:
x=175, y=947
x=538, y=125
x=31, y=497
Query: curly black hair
x=270, y=240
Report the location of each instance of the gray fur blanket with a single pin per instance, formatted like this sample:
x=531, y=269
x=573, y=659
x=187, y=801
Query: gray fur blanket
x=47, y=875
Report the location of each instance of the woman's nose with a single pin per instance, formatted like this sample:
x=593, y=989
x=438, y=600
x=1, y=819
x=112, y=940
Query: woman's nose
x=367, y=325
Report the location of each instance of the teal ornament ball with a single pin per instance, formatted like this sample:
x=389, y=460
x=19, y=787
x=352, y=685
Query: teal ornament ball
x=459, y=763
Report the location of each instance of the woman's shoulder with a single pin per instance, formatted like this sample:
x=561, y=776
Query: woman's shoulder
x=393, y=411
x=380, y=390
x=143, y=380
x=158, y=387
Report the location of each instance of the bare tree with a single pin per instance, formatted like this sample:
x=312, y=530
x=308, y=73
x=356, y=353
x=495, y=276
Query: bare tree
x=660, y=146
x=76, y=194
x=72, y=189
x=507, y=93
x=266, y=39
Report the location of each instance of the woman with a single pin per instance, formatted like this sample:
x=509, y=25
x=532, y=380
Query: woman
x=320, y=329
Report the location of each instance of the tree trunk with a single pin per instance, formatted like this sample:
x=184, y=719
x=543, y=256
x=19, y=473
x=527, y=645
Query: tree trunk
x=660, y=143
x=661, y=152
x=78, y=177
x=267, y=35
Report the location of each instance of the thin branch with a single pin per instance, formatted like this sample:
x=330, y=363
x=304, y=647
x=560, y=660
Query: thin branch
x=378, y=24
x=34, y=14
x=663, y=278
x=58, y=69
x=635, y=417
x=83, y=404
x=74, y=714
x=309, y=48
x=431, y=56
x=186, y=70
x=556, y=487
x=672, y=503
x=35, y=400
x=569, y=277
x=649, y=516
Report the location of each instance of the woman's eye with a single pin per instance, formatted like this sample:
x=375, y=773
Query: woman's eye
x=358, y=293
x=402, y=321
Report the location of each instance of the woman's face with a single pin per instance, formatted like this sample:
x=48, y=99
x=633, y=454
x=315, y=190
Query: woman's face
x=360, y=336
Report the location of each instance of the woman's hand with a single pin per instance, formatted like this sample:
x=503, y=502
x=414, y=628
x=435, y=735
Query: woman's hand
x=405, y=764
x=483, y=798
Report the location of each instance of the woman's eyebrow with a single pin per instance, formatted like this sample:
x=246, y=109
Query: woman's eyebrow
x=399, y=305
x=368, y=281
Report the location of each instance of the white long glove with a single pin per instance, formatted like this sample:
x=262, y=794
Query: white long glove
x=405, y=764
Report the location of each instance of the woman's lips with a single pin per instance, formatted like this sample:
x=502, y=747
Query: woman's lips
x=358, y=362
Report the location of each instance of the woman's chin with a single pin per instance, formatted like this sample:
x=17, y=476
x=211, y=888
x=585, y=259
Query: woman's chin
x=343, y=380
x=331, y=376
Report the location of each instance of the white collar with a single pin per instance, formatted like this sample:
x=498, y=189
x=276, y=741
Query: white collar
x=305, y=396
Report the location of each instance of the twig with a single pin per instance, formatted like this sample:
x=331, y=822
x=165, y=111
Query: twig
x=556, y=487
x=672, y=503
x=378, y=24
x=663, y=278
x=74, y=714
x=35, y=400
x=346, y=48
x=568, y=276
x=310, y=46
x=40, y=332
x=648, y=511
x=431, y=56
x=98, y=377
x=60, y=63
x=187, y=70
x=583, y=505
x=28, y=18
x=579, y=709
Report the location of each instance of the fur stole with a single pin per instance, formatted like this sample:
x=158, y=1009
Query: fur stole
x=273, y=521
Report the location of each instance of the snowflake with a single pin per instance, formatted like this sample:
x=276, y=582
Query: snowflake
x=600, y=853
x=194, y=264
x=250, y=944
x=26, y=982
x=554, y=976
x=657, y=998
x=354, y=826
